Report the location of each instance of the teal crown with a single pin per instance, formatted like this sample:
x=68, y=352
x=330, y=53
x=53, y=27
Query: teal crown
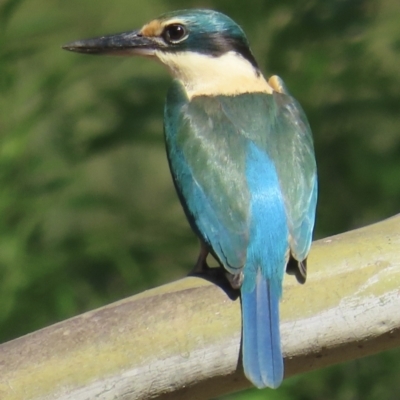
x=209, y=32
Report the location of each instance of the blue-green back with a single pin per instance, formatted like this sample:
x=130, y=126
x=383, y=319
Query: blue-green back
x=208, y=141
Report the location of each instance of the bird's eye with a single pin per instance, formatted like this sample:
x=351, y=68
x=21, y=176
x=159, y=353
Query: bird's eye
x=174, y=33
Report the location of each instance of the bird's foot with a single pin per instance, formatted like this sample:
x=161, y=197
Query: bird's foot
x=201, y=267
x=235, y=280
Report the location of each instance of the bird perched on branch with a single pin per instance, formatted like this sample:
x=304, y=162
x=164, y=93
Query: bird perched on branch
x=241, y=156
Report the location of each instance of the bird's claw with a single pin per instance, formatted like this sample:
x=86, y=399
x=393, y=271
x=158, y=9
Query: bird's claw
x=235, y=280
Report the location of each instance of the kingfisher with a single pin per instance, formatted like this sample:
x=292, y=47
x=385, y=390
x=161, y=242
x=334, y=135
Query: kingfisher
x=241, y=156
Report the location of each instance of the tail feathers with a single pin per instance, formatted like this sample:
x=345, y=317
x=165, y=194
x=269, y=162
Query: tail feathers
x=262, y=355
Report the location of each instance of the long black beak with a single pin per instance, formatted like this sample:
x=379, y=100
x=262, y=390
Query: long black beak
x=127, y=43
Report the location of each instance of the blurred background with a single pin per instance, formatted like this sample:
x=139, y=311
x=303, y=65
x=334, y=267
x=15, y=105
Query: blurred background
x=88, y=214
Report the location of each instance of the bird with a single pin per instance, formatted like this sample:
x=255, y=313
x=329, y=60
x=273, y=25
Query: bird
x=241, y=156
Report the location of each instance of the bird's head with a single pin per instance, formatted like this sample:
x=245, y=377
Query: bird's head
x=204, y=49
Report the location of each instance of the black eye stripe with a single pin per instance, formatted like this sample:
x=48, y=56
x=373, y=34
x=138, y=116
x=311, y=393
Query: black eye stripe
x=174, y=33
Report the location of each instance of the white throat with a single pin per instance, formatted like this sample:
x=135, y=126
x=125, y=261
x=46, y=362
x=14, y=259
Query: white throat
x=229, y=74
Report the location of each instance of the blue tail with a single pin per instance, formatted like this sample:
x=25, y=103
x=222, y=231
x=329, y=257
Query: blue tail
x=262, y=355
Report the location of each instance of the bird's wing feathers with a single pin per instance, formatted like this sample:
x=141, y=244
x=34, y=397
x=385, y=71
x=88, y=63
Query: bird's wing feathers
x=207, y=157
x=293, y=153
x=207, y=140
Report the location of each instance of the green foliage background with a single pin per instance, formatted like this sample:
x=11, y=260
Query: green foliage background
x=88, y=213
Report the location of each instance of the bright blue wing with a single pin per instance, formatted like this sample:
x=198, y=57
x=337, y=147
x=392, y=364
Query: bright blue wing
x=294, y=152
x=209, y=179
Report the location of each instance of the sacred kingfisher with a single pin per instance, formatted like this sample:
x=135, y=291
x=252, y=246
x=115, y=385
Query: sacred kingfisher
x=242, y=160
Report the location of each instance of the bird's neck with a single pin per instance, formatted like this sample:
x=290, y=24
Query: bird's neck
x=229, y=74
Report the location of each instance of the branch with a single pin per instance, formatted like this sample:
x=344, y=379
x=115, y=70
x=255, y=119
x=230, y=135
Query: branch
x=182, y=340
